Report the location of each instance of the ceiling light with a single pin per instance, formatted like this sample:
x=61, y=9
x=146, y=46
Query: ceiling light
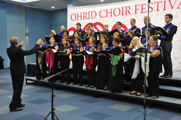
x=53, y=7
x=102, y=0
x=24, y=1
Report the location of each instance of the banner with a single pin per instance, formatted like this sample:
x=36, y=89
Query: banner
x=110, y=13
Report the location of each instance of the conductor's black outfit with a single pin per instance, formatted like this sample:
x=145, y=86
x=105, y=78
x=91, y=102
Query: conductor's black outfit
x=17, y=70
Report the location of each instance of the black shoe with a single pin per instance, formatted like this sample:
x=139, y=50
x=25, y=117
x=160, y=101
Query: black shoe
x=168, y=76
x=163, y=75
x=16, y=109
x=21, y=105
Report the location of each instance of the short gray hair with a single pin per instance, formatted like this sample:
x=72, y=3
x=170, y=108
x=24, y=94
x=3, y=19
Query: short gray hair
x=53, y=31
x=145, y=17
x=13, y=40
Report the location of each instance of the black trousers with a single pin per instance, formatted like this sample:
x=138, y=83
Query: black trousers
x=153, y=84
x=127, y=76
x=137, y=83
x=91, y=77
x=78, y=62
x=91, y=74
x=38, y=71
x=17, y=81
x=102, y=72
x=167, y=61
x=65, y=62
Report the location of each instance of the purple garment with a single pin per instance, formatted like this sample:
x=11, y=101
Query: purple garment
x=91, y=49
x=150, y=26
x=168, y=30
x=156, y=47
x=103, y=48
x=131, y=51
x=53, y=45
x=121, y=31
x=133, y=29
x=86, y=37
x=66, y=49
x=80, y=31
x=78, y=47
x=42, y=46
x=59, y=33
x=112, y=47
x=63, y=37
x=143, y=41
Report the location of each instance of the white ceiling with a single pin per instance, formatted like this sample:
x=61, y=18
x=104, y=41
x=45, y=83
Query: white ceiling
x=58, y=4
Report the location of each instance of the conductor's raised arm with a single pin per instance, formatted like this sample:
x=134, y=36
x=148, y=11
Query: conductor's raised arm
x=31, y=51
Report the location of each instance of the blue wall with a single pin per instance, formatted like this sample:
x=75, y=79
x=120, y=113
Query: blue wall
x=15, y=19
x=58, y=18
x=37, y=26
x=3, y=33
x=38, y=23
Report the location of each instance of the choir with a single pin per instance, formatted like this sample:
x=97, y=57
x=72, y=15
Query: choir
x=107, y=55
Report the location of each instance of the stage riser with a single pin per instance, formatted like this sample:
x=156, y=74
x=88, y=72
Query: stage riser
x=170, y=82
x=163, y=92
x=163, y=81
x=127, y=86
x=98, y=93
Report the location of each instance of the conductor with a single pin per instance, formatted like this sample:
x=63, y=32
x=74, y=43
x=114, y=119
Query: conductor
x=17, y=70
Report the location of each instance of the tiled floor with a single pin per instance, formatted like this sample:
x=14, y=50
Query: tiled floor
x=120, y=107
x=65, y=108
x=65, y=95
x=22, y=96
x=74, y=105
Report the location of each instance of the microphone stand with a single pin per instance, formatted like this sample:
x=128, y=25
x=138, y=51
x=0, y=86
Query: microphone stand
x=53, y=115
x=144, y=103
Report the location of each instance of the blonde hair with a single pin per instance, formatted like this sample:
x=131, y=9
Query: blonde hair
x=116, y=33
x=138, y=42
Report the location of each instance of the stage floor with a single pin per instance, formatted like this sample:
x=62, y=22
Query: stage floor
x=169, y=101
